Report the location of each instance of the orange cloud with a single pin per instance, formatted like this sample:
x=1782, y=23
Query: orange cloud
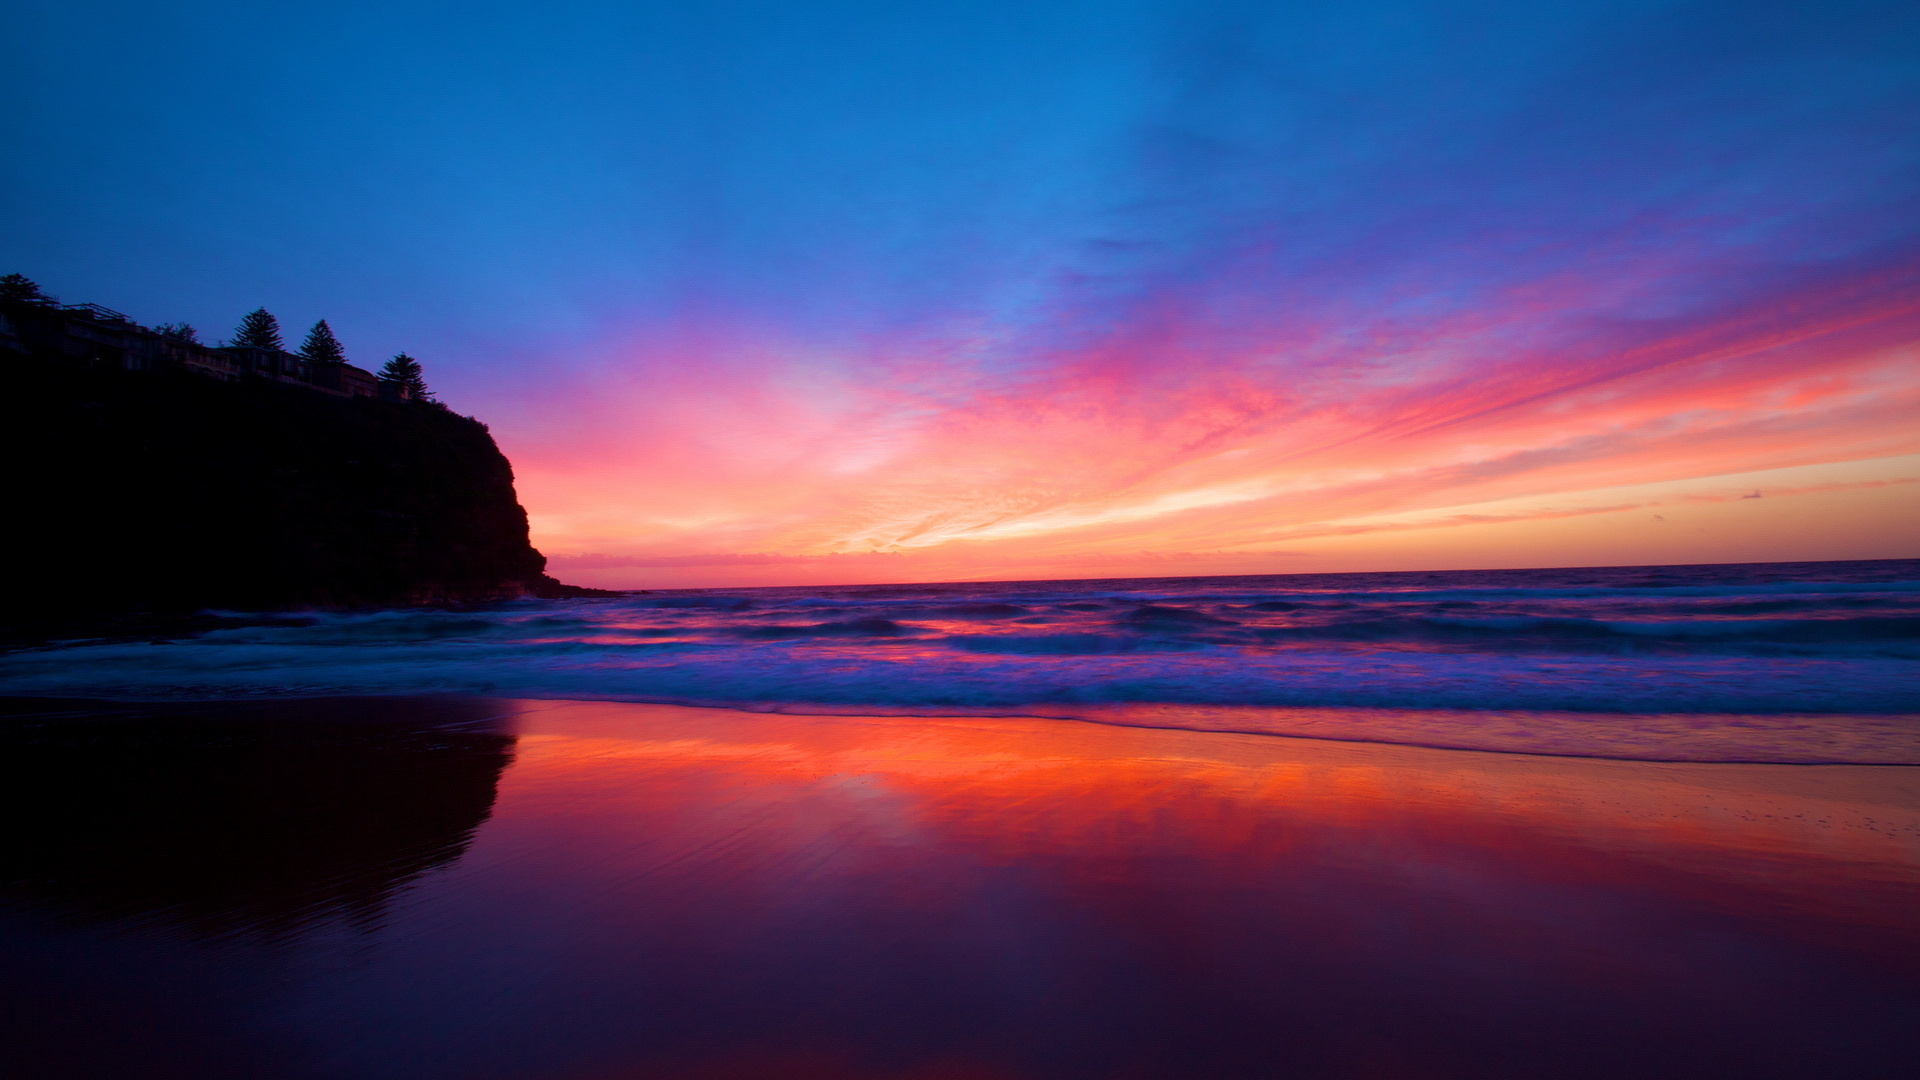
x=747, y=460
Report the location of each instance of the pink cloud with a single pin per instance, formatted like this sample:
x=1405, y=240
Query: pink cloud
x=1162, y=431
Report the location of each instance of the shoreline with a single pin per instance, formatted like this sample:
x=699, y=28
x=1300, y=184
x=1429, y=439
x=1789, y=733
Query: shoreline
x=1822, y=810
x=1335, y=724
x=292, y=717
x=455, y=881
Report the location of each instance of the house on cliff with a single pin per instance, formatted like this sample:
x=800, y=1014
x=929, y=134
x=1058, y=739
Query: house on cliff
x=101, y=337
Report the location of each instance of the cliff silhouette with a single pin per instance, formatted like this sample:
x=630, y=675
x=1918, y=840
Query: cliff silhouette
x=143, y=486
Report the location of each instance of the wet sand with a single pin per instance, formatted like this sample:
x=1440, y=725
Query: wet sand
x=473, y=888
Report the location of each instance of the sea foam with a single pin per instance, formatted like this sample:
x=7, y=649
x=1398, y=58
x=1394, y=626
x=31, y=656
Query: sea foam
x=1834, y=640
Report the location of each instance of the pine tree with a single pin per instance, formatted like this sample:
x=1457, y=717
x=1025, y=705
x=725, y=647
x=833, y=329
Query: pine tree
x=179, y=332
x=259, y=330
x=403, y=372
x=321, y=346
x=19, y=287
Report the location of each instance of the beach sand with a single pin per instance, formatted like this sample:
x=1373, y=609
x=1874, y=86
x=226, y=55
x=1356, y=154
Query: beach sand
x=440, y=887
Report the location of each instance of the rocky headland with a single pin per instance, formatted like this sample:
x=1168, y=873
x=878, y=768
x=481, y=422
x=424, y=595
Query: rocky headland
x=148, y=488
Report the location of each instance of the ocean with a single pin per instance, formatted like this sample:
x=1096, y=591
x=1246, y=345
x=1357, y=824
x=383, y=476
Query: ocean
x=866, y=833
x=1777, y=662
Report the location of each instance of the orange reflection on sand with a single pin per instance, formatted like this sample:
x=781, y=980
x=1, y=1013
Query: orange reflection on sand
x=670, y=892
x=1102, y=798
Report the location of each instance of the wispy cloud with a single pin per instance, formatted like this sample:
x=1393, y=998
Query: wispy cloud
x=1332, y=267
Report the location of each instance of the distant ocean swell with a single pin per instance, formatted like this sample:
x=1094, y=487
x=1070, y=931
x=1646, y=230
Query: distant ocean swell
x=1838, y=639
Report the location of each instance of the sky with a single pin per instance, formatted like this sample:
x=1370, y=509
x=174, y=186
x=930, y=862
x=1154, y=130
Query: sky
x=839, y=291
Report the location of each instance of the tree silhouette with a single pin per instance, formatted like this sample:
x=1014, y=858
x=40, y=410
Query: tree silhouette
x=321, y=346
x=19, y=287
x=403, y=372
x=179, y=331
x=259, y=330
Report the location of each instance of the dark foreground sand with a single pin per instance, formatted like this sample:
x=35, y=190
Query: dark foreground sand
x=426, y=888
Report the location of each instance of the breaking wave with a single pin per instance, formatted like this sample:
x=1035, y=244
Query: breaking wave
x=1773, y=640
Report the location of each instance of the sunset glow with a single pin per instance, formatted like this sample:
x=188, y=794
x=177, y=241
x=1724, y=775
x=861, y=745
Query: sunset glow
x=1133, y=461
x=814, y=294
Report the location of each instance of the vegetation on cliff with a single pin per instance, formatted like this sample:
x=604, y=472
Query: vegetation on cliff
x=164, y=490
x=172, y=492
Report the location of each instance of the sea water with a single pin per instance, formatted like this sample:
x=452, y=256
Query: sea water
x=431, y=883
x=1814, y=662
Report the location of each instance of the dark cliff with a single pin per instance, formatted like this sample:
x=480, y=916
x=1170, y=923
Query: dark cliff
x=165, y=491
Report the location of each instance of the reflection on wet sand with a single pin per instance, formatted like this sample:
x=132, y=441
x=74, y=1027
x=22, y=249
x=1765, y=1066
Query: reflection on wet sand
x=681, y=893
x=255, y=818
